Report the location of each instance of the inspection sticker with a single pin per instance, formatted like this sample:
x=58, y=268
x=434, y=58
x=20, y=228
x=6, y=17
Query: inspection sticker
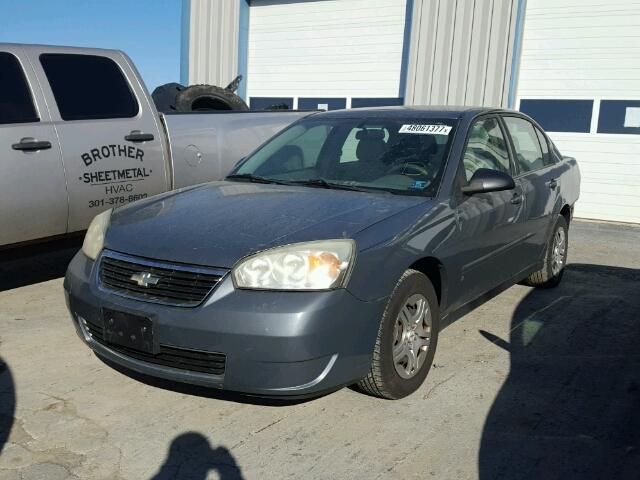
x=426, y=129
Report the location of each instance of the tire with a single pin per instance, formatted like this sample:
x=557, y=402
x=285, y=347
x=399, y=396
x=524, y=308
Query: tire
x=200, y=98
x=550, y=275
x=164, y=96
x=385, y=379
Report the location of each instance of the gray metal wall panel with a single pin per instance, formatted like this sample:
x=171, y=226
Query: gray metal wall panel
x=213, y=41
x=461, y=52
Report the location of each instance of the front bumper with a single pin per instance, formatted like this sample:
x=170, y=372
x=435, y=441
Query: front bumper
x=276, y=343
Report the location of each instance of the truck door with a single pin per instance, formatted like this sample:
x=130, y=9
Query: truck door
x=33, y=193
x=110, y=135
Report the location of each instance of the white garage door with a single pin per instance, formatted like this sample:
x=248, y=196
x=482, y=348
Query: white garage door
x=335, y=49
x=580, y=78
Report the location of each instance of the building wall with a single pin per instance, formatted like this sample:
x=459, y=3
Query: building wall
x=213, y=41
x=579, y=72
x=461, y=52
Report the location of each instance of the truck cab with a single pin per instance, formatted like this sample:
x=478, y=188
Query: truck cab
x=81, y=137
x=80, y=134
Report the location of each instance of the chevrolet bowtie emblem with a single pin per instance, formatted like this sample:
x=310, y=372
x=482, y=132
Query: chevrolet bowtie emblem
x=144, y=279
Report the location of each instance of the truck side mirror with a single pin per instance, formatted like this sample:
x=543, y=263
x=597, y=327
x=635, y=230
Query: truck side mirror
x=485, y=180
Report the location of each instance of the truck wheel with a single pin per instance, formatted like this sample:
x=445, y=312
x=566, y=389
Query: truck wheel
x=198, y=98
x=555, y=258
x=407, y=339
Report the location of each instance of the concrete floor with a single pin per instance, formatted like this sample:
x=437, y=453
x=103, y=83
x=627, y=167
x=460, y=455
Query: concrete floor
x=534, y=384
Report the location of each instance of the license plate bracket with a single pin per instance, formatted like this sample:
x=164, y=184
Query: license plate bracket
x=128, y=330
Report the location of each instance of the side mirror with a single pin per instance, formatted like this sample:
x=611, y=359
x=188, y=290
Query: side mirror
x=485, y=180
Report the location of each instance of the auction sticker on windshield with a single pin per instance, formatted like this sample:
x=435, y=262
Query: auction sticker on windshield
x=426, y=129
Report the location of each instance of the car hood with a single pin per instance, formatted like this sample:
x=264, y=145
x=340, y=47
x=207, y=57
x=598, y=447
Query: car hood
x=217, y=224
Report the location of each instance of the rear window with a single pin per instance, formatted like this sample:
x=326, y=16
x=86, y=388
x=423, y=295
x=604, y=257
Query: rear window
x=16, y=104
x=88, y=87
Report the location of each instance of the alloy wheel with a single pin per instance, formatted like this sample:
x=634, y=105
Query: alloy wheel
x=412, y=336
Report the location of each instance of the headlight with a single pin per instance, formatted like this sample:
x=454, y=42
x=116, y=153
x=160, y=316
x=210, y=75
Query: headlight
x=94, y=239
x=321, y=265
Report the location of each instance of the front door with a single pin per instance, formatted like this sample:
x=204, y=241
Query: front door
x=110, y=135
x=489, y=235
x=33, y=192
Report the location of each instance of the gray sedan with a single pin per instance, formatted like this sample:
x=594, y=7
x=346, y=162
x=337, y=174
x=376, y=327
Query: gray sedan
x=332, y=255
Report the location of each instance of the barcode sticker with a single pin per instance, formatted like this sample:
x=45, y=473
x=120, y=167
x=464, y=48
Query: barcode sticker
x=426, y=129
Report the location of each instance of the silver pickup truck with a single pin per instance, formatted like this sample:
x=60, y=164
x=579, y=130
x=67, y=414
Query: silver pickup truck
x=79, y=134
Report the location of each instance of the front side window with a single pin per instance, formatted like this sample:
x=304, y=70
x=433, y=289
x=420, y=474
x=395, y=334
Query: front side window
x=525, y=143
x=88, y=87
x=404, y=156
x=486, y=148
x=16, y=104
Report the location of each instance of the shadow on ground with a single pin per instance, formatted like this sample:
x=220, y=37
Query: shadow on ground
x=570, y=407
x=191, y=457
x=37, y=263
x=7, y=402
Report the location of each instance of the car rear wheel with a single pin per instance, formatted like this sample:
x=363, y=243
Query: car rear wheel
x=407, y=339
x=555, y=258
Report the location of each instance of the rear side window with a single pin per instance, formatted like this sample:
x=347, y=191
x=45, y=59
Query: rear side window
x=526, y=144
x=486, y=148
x=547, y=159
x=88, y=87
x=16, y=104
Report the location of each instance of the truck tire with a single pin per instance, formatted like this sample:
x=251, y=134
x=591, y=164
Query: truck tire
x=164, y=96
x=197, y=98
x=555, y=258
x=410, y=323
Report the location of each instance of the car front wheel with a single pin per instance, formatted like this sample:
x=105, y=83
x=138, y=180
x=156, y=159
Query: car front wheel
x=407, y=339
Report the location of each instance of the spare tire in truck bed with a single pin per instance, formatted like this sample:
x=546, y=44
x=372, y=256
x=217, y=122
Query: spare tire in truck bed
x=164, y=96
x=208, y=97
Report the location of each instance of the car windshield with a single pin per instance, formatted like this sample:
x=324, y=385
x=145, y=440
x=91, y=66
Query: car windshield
x=397, y=155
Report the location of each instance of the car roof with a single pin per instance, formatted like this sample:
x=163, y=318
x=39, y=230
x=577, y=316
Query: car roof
x=412, y=111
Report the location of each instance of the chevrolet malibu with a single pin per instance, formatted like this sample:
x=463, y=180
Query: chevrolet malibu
x=332, y=255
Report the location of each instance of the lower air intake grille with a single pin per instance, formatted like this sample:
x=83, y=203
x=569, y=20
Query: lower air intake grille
x=169, y=356
x=157, y=282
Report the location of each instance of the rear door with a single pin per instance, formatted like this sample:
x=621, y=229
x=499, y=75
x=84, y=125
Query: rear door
x=110, y=134
x=33, y=192
x=539, y=175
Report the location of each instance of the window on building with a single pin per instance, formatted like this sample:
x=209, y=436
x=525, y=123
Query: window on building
x=88, y=87
x=619, y=116
x=486, y=148
x=16, y=104
x=559, y=115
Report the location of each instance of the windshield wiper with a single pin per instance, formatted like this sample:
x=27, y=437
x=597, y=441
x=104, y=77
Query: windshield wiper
x=249, y=177
x=322, y=183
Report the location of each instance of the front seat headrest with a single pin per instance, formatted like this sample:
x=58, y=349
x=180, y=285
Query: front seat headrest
x=371, y=146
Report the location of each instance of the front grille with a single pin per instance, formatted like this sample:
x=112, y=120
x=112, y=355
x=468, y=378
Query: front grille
x=179, y=285
x=169, y=356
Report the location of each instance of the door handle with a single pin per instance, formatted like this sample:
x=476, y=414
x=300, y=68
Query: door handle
x=516, y=199
x=553, y=184
x=137, y=136
x=29, y=144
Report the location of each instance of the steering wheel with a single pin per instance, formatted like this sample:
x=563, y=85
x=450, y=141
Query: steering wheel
x=414, y=168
